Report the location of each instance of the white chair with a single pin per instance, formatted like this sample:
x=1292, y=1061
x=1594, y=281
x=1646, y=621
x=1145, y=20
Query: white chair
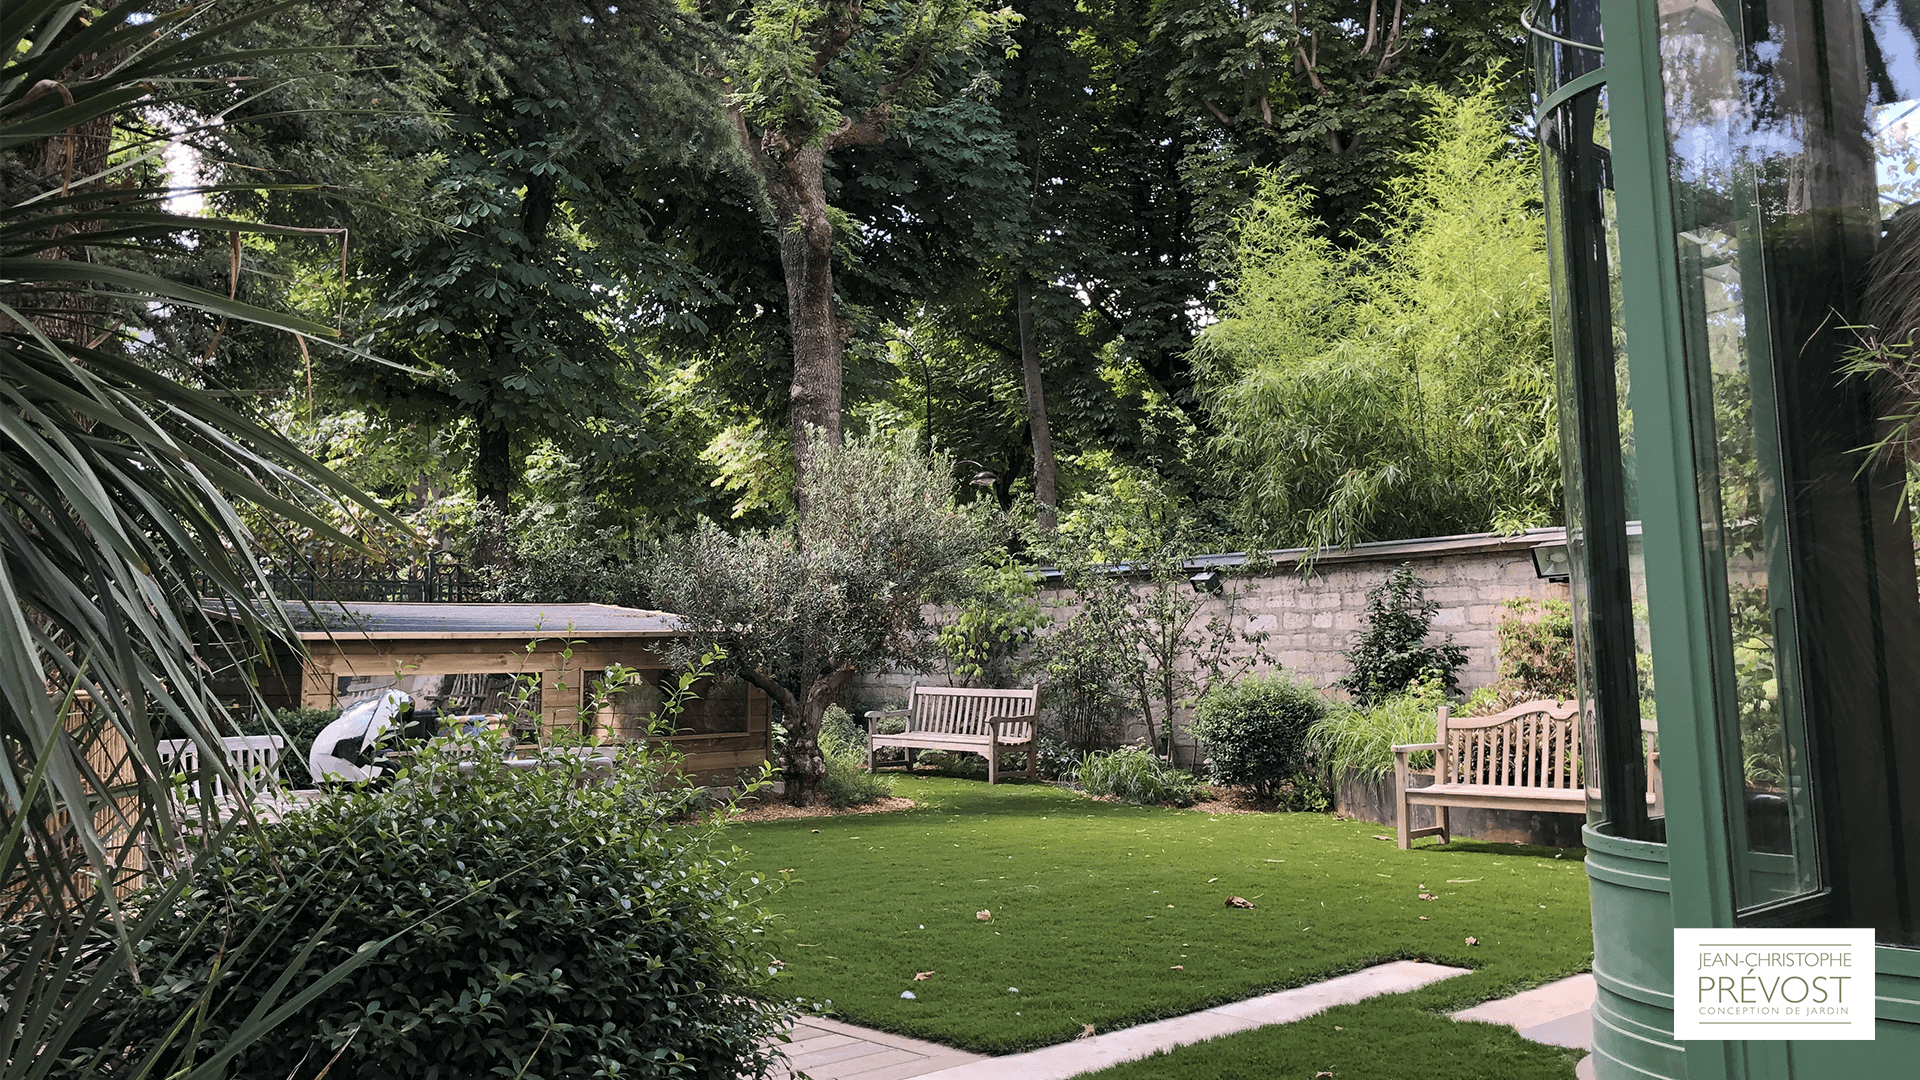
x=252, y=760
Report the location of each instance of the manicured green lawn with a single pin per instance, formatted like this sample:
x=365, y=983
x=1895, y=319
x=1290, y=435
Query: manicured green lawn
x=1112, y=915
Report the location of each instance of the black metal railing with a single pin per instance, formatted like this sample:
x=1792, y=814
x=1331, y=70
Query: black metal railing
x=436, y=578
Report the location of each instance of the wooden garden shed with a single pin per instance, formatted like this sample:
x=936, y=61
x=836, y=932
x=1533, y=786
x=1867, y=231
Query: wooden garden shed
x=466, y=657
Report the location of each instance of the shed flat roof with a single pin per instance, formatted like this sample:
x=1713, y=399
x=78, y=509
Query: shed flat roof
x=388, y=621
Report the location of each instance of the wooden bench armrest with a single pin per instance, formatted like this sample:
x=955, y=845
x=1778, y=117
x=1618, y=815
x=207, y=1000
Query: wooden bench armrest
x=881, y=714
x=1410, y=748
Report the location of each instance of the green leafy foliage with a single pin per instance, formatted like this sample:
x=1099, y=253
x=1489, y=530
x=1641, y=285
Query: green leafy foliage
x=1391, y=652
x=985, y=633
x=799, y=611
x=1084, y=669
x=1134, y=775
x=844, y=745
x=1403, y=388
x=1362, y=738
x=551, y=924
x=1255, y=731
x=1536, y=647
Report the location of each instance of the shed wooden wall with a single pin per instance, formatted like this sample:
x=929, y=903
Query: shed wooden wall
x=565, y=668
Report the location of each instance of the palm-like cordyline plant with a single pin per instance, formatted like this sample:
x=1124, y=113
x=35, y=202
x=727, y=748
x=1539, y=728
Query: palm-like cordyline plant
x=117, y=492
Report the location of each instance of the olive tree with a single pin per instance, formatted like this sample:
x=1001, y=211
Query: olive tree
x=799, y=611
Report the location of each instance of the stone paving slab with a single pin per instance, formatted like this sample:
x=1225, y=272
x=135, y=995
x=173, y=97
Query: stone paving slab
x=1536, y=1006
x=826, y=1049
x=1099, y=1051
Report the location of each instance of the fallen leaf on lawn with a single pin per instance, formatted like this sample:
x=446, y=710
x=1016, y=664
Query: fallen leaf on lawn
x=983, y=914
x=1428, y=896
x=1337, y=1027
x=1179, y=967
x=1322, y=1076
x=1473, y=941
x=816, y=830
x=1086, y=1031
x=1211, y=880
x=907, y=995
x=778, y=963
x=1423, y=918
x=1376, y=836
x=1239, y=901
x=922, y=976
x=1462, y=880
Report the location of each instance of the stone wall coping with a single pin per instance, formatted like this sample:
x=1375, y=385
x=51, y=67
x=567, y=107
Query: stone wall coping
x=1373, y=551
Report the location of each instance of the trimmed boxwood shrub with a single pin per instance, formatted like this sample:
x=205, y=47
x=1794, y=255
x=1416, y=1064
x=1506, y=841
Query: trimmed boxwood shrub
x=548, y=925
x=1255, y=731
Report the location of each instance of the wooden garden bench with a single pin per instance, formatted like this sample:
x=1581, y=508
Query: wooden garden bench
x=955, y=718
x=1527, y=758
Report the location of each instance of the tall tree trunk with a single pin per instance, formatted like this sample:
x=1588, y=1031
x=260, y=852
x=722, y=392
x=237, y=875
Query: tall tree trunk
x=806, y=255
x=1045, y=474
x=492, y=485
x=802, y=766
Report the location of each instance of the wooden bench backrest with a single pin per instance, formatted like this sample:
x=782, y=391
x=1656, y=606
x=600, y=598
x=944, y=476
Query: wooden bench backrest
x=958, y=710
x=1534, y=744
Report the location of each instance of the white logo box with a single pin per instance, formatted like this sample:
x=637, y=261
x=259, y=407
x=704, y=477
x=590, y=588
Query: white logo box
x=1748, y=984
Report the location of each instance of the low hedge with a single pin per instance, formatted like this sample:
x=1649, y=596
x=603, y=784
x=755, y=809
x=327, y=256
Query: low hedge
x=543, y=925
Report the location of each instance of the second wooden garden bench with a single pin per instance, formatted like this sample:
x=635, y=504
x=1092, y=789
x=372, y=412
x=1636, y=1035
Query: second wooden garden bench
x=955, y=718
x=1527, y=758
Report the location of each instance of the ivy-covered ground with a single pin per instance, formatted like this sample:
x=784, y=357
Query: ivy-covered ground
x=1110, y=915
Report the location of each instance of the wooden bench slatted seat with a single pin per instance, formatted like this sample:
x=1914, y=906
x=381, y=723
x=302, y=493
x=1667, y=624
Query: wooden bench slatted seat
x=1527, y=758
x=964, y=720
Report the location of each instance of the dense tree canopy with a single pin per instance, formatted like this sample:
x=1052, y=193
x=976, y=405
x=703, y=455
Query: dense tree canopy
x=575, y=236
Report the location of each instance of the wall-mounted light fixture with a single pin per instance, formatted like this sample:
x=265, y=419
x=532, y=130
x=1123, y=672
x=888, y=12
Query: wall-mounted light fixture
x=1206, y=581
x=1550, y=562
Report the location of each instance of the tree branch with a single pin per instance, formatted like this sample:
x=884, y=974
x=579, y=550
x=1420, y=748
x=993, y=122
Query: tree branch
x=1388, y=52
x=869, y=130
x=827, y=48
x=782, y=696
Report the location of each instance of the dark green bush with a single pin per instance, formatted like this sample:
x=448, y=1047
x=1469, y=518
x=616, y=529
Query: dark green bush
x=1255, y=731
x=544, y=925
x=1392, y=651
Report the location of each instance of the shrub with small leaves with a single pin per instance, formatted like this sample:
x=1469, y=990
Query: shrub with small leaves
x=844, y=745
x=1255, y=731
x=1392, y=651
x=546, y=922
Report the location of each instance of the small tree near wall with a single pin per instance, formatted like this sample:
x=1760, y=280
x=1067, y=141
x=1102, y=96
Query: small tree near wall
x=1392, y=651
x=799, y=611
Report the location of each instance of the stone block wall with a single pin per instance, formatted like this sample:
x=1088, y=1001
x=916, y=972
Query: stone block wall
x=1311, y=619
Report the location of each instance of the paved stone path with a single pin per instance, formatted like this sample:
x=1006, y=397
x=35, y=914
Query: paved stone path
x=830, y=1050
x=1560, y=1013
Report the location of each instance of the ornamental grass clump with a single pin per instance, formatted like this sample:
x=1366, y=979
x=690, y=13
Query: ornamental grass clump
x=1361, y=739
x=546, y=922
x=1133, y=775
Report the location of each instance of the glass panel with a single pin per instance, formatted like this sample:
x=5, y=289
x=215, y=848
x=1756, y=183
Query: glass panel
x=1717, y=152
x=1608, y=585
